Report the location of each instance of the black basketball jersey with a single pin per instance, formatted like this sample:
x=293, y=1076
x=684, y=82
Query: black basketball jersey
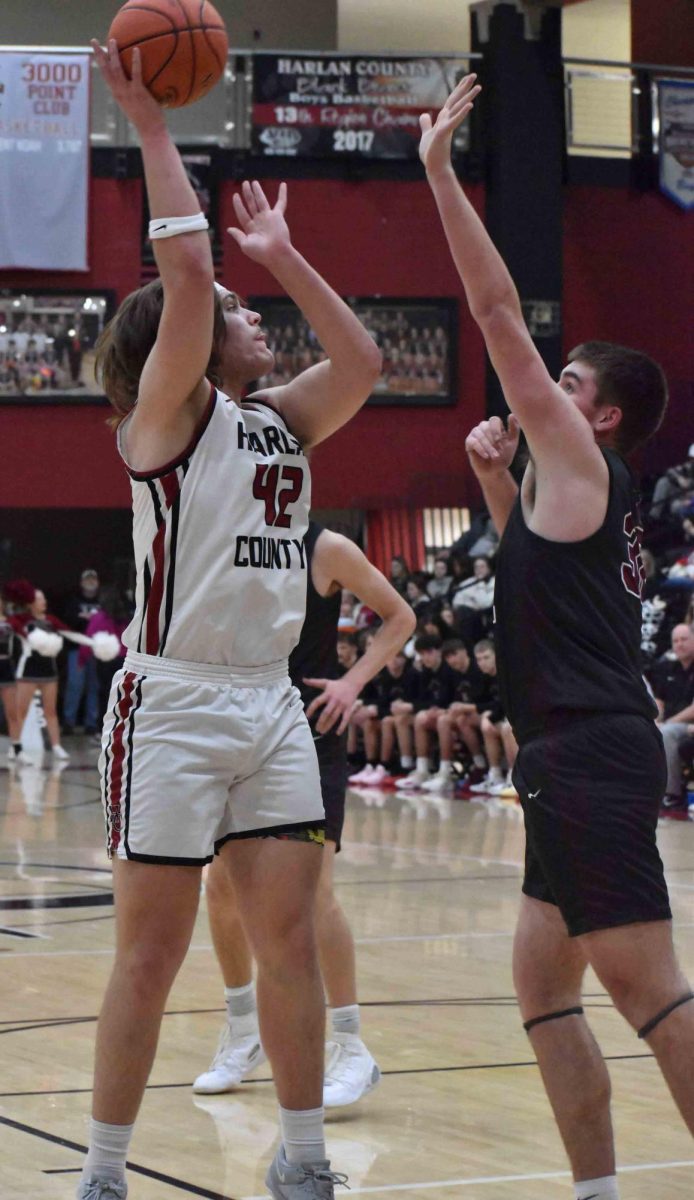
x=315, y=655
x=568, y=617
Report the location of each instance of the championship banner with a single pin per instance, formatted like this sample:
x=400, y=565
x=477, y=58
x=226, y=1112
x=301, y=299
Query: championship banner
x=44, y=160
x=676, y=107
x=328, y=106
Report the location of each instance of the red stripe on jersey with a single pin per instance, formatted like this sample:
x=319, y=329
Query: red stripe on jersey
x=171, y=487
x=115, y=791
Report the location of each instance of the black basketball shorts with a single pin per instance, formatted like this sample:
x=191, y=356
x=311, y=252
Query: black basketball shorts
x=333, y=770
x=591, y=793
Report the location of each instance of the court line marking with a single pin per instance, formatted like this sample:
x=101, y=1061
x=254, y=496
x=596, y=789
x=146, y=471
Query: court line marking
x=438, y=854
x=484, y=1179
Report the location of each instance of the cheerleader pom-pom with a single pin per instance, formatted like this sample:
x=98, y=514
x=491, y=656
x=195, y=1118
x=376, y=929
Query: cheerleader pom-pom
x=106, y=646
x=47, y=644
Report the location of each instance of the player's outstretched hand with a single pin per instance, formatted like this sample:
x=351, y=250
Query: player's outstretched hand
x=435, y=142
x=131, y=95
x=491, y=446
x=263, y=234
x=338, y=700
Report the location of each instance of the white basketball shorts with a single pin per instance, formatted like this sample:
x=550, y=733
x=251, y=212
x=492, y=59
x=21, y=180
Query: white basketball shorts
x=193, y=755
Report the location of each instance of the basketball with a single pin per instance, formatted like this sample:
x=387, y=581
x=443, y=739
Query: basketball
x=183, y=45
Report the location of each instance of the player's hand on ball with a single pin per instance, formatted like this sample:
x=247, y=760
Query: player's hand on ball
x=338, y=700
x=491, y=446
x=131, y=95
x=263, y=234
x=435, y=142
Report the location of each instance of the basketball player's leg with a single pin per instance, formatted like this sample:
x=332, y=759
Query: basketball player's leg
x=638, y=966
x=387, y=739
x=275, y=881
x=155, y=907
x=25, y=695
x=239, y=1050
x=548, y=969
x=334, y=937
x=404, y=732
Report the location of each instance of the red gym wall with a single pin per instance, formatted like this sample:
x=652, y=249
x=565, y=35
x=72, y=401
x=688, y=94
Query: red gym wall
x=628, y=257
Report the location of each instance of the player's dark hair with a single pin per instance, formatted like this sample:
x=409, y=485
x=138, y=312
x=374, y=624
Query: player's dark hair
x=350, y=638
x=123, y=347
x=634, y=383
x=427, y=641
x=452, y=646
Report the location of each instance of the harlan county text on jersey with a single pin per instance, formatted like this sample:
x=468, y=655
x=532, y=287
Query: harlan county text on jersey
x=274, y=554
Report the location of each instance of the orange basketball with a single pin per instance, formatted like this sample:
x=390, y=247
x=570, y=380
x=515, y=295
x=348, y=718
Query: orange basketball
x=183, y=45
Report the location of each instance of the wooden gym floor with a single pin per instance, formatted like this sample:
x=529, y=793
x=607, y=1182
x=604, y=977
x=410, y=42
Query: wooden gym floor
x=431, y=889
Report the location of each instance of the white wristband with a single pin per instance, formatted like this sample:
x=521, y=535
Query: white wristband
x=166, y=227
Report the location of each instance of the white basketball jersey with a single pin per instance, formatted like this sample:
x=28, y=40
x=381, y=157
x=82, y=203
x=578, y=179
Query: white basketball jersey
x=219, y=542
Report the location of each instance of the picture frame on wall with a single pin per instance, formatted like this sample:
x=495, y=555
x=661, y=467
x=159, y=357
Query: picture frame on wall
x=417, y=338
x=47, y=344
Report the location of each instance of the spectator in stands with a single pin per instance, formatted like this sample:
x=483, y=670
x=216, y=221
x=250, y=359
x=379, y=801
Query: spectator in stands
x=377, y=725
x=480, y=539
x=439, y=587
x=432, y=690
x=672, y=681
x=399, y=573
x=416, y=593
x=112, y=616
x=472, y=695
x=81, y=672
x=347, y=651
x=674, y=491
x=473, y=600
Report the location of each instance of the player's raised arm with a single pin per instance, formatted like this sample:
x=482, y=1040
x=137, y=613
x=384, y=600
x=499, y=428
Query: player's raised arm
x=176, y=365
x=327, y=395
x=549, y=419
x=338, y=563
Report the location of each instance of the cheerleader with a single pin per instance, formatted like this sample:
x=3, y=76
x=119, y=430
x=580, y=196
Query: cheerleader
x=41, y=642
x=9, y=646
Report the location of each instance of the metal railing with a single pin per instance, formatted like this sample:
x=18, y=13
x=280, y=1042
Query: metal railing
x=605, y=109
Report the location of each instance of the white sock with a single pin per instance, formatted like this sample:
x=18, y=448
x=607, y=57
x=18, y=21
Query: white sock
x=445, y=766
x=423, y=765
x=108, y=1150
x=346, y=1019
x=302, y=1134
x=496, y=774
x=597, y=1189
x=406, y=762
x=242, y=1013
x=479, y=761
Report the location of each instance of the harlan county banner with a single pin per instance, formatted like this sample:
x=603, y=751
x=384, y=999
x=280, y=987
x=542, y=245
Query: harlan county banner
x=327, y=106
x=44, y=160
x=676, y=106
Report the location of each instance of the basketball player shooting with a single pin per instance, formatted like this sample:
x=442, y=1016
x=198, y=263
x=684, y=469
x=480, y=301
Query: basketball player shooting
x=206, y=749
x=591, y=767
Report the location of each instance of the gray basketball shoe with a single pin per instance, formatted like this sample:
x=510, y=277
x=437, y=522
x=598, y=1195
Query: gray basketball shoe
x=305, y=1181
x=101, y=1189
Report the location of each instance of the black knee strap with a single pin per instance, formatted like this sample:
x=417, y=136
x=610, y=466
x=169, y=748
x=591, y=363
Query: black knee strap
x=553, y=1016
x=664, y=1012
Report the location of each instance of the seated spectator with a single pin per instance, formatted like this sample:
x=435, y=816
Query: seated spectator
x=674, y=491
x=346, y=622
x=496, y=732
x=473, y=601
x=439, y=587
x=462, y=718
x=416, y=593
x=377, y=725
x=431, y=692
x=663, y=607
x=672, y=682
x=347, y=652
x=399, y=574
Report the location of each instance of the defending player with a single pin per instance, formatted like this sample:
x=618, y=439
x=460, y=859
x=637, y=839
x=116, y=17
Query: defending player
x=591, y=769
x=206, y=747
x=333, y=563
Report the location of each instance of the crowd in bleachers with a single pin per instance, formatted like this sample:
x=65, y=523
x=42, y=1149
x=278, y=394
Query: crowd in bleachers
x=40, y=353
x=433, y=719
